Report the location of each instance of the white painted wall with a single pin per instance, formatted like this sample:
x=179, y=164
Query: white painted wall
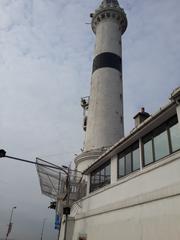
x=105, y=110
x=155, y=220
x=178, y=113
x=108, y=37
x=142, y=206
x=70, y=228
x=104, y=125
x=82, y=165
x=114, y=167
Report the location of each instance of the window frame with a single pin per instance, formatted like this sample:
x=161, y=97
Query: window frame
x=100, y=184
x=123, y=154
x=154, y=133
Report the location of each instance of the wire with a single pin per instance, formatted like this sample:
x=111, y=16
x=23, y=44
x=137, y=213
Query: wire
x=53, y=166
x=36, y=163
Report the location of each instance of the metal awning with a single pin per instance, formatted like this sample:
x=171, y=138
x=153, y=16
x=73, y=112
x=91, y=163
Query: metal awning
x=60, y=182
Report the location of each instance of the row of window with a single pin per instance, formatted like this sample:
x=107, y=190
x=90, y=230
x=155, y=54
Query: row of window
x=159, y=143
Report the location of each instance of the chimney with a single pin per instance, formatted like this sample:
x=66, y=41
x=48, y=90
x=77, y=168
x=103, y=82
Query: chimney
x=141, y=117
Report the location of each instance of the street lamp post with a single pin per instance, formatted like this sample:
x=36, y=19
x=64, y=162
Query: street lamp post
x=4, y=155
x=65, y=169
x=10, y=223
x=44, y=220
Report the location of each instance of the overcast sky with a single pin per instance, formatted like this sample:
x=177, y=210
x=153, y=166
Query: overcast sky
x=46, y=53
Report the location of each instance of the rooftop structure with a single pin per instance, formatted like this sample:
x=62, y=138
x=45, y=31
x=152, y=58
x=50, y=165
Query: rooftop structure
x=134, y=187
x=133, y=181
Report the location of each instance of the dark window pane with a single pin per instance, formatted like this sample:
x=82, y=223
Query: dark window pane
x=161, y=145
x=128, y=163
x=100, y=177
x=148, y=153
x=107, y=174
x=92, y=179
x=121, y=167
x=175, y=137
x=97, y=178
x=136, y=159
x=108, y=170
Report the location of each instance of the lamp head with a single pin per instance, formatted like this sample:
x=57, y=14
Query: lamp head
x=2, y=153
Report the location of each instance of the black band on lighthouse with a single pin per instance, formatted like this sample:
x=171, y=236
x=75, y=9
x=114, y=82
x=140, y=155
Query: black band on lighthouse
x=107, y=59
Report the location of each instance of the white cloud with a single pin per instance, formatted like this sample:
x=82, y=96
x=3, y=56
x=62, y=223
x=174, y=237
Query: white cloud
x=46, y=53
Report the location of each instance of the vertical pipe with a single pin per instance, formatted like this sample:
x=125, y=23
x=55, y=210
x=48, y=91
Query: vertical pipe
x=65, y=231
x=44, y=220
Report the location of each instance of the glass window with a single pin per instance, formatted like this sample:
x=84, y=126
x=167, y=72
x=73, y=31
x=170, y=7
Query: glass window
x=96, y=178
x=175, y=137
x=107, y=174
x=129, y=160
x=121, y=167
x=161, y=145
x=162, y=141
x=100, y=177
x=92, y=179
x=128, y=163
x=148, y=153
x=136, y=159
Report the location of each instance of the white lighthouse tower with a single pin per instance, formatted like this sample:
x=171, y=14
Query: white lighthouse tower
x=104, y=120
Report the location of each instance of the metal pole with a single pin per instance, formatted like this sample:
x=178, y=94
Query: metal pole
x=35, y=163
x=67, y=202
x=44, y=220
x=59, y=233
x=65, y=231
x=10, y=223
x=53, y=166
x=57, y=205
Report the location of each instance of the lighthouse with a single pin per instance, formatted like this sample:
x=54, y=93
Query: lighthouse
x=104, y=121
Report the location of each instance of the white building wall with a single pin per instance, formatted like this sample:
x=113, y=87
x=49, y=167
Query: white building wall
x=158, y=220
x=175, y=97
x=178, y=113
x=114, y=168
x=144, y=205
x=70, y=228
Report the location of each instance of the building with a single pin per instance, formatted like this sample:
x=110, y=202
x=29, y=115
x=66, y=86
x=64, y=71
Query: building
x=133, y=182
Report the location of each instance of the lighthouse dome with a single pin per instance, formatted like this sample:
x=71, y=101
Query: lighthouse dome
x=109, y=3
x=109, y=9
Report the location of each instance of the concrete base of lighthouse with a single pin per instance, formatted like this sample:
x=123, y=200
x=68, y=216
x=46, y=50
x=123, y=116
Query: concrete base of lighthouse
x=87, y=158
